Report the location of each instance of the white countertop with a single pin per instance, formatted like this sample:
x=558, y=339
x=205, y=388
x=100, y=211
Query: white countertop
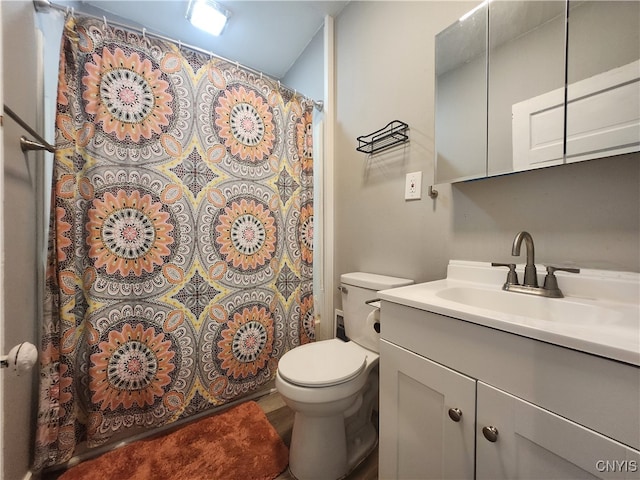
x=600, y=313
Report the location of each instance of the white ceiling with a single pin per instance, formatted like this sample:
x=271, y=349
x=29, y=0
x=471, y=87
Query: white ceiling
x=265, y=35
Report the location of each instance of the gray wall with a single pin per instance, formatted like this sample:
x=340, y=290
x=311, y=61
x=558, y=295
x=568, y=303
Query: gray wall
x=20, y=296
x=306, y=74
x=385, y=71
x=586, y=213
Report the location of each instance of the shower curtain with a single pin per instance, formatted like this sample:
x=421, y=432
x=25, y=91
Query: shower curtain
x=180, y=254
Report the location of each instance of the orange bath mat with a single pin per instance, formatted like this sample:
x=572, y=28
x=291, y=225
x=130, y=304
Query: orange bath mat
x=238, y=444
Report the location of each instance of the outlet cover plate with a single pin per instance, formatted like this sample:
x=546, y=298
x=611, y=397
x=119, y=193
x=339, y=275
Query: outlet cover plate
x=413, y=186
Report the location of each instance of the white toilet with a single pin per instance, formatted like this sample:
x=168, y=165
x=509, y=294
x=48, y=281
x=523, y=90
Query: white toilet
x=332, y=386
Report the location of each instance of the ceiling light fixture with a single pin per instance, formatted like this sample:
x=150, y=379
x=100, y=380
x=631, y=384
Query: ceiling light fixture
x=208, y=15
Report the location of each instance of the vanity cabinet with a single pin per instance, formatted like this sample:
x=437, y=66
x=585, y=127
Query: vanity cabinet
x=535, y=443
x=422, y=440
x=557, y=412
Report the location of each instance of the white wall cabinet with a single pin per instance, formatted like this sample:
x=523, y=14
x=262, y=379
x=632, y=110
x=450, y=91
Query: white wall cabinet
x=547, y=428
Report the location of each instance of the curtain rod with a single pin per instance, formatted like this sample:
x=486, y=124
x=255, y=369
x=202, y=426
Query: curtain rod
x=42, y=5
x=25, y=143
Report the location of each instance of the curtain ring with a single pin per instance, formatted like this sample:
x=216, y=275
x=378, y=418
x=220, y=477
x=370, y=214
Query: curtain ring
x=180, y=45
x=144, y=33
x=104, y=20
x=260, y=75
x=73, y=12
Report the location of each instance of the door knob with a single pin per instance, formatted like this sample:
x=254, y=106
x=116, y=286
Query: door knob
x=455, y=414
x=490, y=433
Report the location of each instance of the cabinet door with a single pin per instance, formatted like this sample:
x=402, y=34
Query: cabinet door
x=418, y=439
x=534, y=443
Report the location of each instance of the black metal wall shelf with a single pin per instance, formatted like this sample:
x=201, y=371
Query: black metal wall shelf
x=393, y=134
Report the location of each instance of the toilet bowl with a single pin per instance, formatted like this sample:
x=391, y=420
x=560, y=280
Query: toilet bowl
x=332, y=386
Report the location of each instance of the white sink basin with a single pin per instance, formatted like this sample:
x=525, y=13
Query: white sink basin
x=600, y=313
x=559, y=310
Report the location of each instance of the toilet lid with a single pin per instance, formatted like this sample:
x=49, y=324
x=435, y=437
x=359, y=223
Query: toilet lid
x=321, y=364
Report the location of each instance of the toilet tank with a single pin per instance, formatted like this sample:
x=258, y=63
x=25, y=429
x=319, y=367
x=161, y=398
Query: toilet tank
x=357, y=288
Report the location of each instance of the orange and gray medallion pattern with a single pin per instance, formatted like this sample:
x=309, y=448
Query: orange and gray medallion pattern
x=181, y=241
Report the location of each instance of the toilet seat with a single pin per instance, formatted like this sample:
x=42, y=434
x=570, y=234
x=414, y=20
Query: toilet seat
x=322, y=364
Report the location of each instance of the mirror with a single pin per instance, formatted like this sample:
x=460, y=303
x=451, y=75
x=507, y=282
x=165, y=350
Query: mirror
x=526, y=85
x=603, y=79
x=461, y=99
x=537, y=62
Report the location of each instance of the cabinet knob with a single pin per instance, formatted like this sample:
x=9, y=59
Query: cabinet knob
x=490, y=433
x=455, y=414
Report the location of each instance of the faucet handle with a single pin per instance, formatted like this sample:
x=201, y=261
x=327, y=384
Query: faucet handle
x=551, y=269
x=512, y=276
x=550, y=281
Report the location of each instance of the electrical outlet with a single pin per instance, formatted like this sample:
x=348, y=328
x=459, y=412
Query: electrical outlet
x=413, y=186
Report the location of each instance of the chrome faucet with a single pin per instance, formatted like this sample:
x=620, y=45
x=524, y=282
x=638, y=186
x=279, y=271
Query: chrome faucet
x=530, y=283
x=530, y=273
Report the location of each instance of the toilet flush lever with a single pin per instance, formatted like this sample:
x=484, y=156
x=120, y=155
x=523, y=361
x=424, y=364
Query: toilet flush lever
x=342, y=289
